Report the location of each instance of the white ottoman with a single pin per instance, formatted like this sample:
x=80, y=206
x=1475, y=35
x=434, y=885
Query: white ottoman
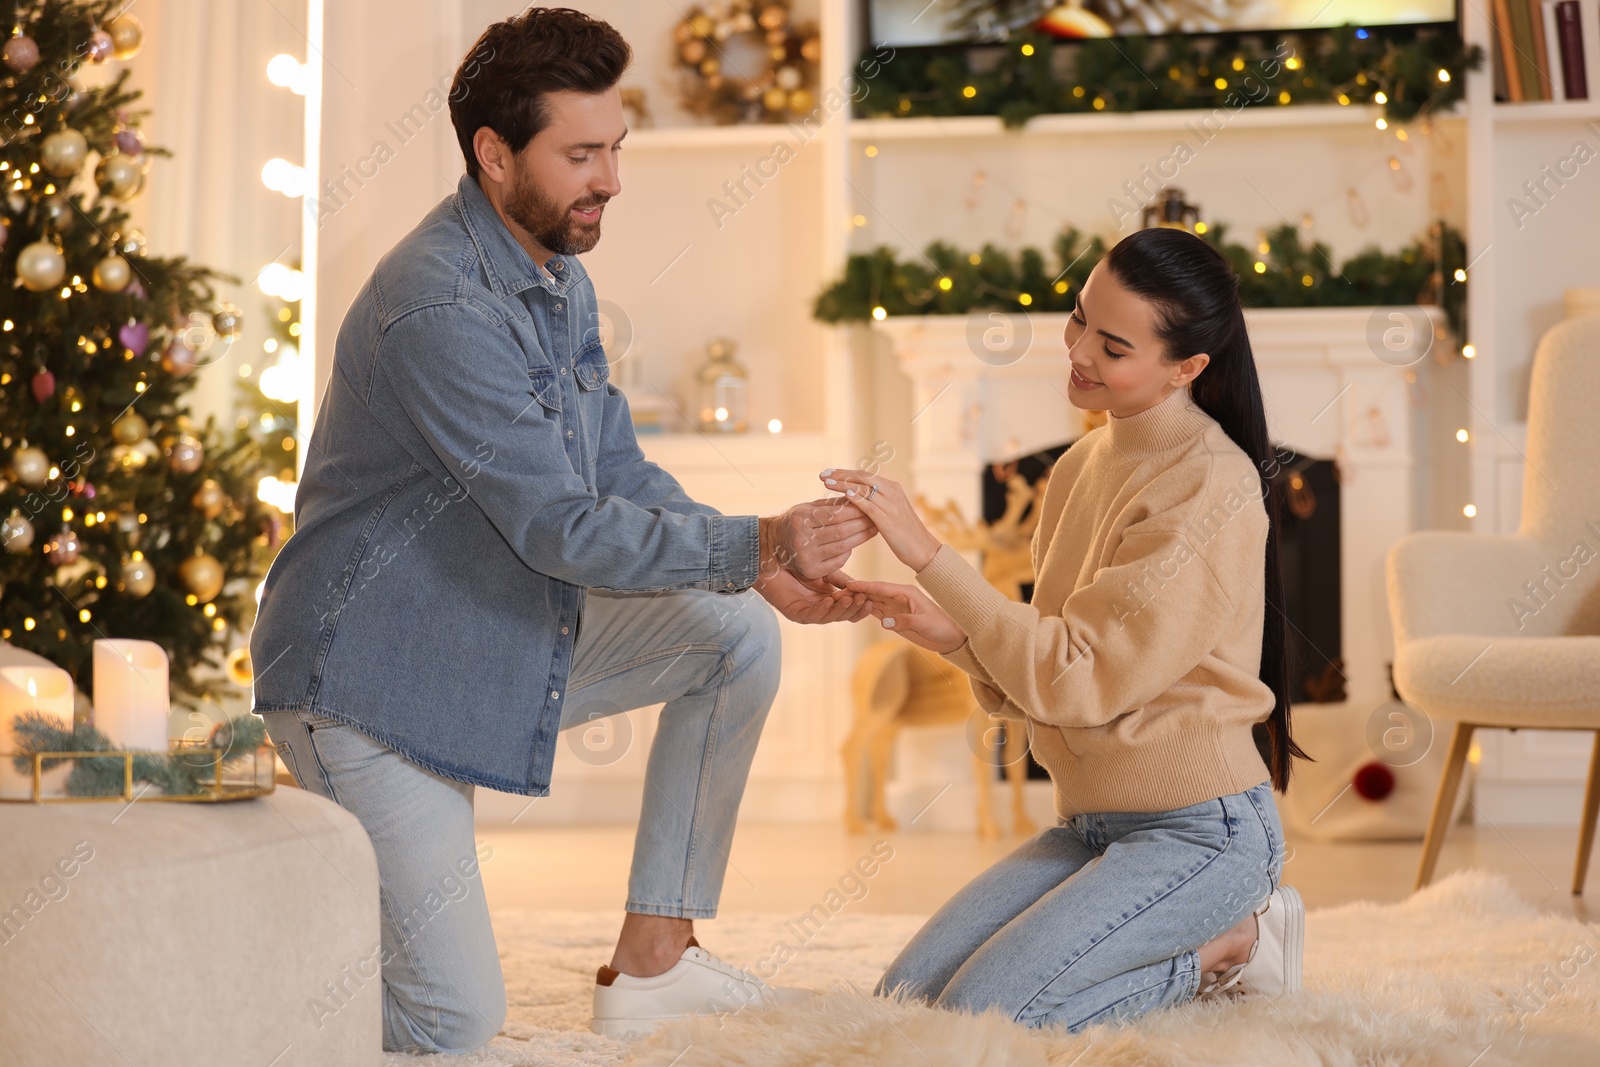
x=189, y=934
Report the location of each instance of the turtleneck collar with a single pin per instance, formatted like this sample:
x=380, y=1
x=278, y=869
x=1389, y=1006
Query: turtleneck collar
x=1174, y=420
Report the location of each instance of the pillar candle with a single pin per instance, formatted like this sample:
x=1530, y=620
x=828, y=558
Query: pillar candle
x=43, y=689
x=130, y=693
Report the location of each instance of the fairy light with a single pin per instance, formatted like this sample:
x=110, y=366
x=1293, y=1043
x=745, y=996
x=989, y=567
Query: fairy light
x=1470, y=510
x=969, y=91
x=880, y=313
x=1027, y=49
x=1462, y=435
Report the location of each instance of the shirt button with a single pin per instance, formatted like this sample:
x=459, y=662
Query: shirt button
x=563, y=370
x=556, y=265
x=554, y=695
x=569, y=433
x=563, y=629
x=558, y=305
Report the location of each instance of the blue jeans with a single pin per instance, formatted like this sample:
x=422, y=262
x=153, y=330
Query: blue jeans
x=711, y=658
x=1098, y=918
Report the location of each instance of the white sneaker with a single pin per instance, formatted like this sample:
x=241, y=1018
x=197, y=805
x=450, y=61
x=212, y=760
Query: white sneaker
x=1277, y=957
x=626, y=1007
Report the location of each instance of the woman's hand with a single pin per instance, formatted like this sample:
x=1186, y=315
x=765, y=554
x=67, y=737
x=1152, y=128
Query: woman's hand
x=907, y=611
x=891, y=512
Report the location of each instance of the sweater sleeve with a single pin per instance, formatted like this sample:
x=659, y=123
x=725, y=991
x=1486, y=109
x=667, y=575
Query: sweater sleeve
x=1146, y=620
x=987, y=691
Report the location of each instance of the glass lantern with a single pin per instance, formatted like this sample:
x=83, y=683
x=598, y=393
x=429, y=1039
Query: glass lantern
x=722, y=389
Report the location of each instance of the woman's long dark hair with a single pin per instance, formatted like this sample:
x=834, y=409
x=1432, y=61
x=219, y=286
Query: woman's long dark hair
x=1196, y=295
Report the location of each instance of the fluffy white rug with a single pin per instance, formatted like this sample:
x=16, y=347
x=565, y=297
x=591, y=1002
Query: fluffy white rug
x=1463, y=974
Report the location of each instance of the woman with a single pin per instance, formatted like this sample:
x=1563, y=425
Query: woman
x=1148, y=669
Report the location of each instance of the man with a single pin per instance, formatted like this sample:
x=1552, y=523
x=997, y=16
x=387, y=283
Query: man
x=472, y=480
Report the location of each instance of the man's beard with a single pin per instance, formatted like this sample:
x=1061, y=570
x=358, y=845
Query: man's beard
x=551, y=224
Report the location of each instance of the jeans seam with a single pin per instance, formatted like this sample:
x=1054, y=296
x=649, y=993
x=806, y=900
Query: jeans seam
x=701, y=792
x=1227, y=821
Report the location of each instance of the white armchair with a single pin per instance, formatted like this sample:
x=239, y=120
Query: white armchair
x=1465, y=651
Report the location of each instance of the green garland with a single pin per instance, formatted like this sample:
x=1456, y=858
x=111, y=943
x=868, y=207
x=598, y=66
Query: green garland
x=947, y=281
x=1034, y=74
x=176, y=774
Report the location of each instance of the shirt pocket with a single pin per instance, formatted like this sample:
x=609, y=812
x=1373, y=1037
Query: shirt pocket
x=545, y=388
x=591, y=367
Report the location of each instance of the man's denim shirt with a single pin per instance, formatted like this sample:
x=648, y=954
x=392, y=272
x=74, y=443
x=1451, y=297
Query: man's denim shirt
x=472, y=472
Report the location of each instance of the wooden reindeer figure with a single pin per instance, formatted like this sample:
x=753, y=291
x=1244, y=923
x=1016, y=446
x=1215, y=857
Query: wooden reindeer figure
x=896, y=684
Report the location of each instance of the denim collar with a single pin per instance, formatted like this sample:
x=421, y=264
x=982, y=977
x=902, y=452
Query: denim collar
x=506, y=263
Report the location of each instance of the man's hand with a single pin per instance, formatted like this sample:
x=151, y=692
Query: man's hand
x=820, y=601
x=814, y=539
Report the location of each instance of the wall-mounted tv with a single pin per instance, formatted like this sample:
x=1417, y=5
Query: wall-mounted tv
x=912, y=23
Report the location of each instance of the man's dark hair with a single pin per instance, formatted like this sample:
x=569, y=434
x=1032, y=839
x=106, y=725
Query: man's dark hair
x=503, y=80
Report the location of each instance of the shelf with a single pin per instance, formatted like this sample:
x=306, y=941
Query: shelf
x=1547, y=111
x=746, y=135
x=1122, y=122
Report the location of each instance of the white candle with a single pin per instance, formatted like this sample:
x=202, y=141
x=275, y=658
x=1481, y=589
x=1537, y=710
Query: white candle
x=42, y=689
x=130, y=693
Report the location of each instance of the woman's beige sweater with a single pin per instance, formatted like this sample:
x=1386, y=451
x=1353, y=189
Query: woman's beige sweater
x=1135, y=666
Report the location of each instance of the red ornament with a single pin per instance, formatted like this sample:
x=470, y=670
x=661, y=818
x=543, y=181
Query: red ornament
x=44, y=385
x=1373, y=781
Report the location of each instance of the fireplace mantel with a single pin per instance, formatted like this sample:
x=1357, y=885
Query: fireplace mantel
x=1335, y=385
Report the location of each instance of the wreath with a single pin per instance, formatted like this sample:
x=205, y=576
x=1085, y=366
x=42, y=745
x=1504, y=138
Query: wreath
x=747, y=61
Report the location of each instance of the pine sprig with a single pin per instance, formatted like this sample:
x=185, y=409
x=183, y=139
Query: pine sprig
x=1292, y=273
x=1033, y=73
x=182, y=773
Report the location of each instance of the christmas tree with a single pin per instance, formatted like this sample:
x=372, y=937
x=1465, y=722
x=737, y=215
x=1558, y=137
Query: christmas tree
x=119, y=515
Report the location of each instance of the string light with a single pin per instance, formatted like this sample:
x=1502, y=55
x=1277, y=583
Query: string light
x=1470, y=510
x=1461, y=435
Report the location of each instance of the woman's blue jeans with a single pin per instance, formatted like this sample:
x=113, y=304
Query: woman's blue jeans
x=1099, y=918
x=710, y=658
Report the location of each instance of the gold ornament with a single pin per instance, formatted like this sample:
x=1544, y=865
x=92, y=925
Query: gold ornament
x=209, y=499
x=728, y=94
x=127, y=35
x=30, y=466
x=62, y=153
x=111, y=274
x=121, y=175
x=238, y=667
x=41, y=266
x=202, y=575
x=130, y=429
x=137, y=578
x=16, y=533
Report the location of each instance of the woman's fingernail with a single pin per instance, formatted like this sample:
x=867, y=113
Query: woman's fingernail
x=830, y=481
x=827, y=472
x=849, y=492
x=889, y=623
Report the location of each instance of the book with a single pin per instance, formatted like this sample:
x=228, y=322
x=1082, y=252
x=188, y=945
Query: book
x=1569, y=32
x=1589, y=22
x=1502, y=91
x=1522, y=49
x=1506, y=40
x=1557, y=67
x=1540, y=51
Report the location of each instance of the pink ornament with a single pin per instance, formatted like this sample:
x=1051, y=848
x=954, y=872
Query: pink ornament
x=136, y=290
x=134, y=336
x=44, y=385
x=178, y=360
x=20, y=53
x=129, y=143
x=100, y=46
